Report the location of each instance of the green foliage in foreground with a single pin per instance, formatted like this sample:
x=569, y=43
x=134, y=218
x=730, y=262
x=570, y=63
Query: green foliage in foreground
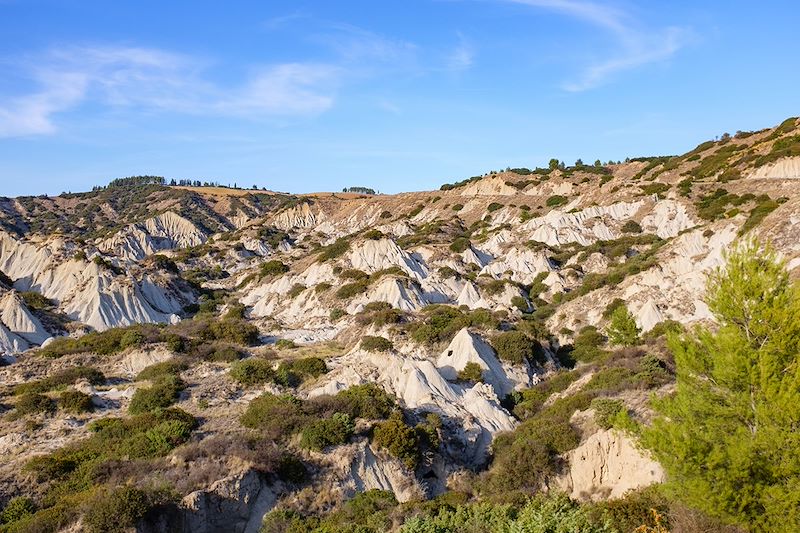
x=542, y=514
x=622, y=330
x=728, y=437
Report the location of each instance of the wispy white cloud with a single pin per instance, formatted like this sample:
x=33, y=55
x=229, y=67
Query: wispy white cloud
x=152, y=79
x=638, y=45
x=462, y=56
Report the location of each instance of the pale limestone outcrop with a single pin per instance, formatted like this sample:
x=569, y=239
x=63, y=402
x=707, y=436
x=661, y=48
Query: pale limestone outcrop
x=467, y=347
x=166, y=231
x=235, y=504
x=473, y=412
x=16, y=316
x=86, y=291
x=787, y=168
x=607, y=465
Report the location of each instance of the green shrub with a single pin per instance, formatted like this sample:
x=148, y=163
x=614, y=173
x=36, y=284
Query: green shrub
x=157, y=370
x=276, y=416
x=296, y=290
x=622, y=329
x=631, y=226
x=116, y=510
x=309, y=366
x=32, y=402
x=472, y=372
x=366, y=401
x=441, y=322
x=352, y=289
x=249, y=372
x=337, y=313
x=17, y=509
x=329, y=432
x=132, y=338
x=322, y=287
x=552, y=512
x=273, y=267
x=399, y=439
x=655, y=188
x=586, y=346
x=514, y=347
x=62, y=378
x=663, y=328
x=757, y=214
x=34, y=300
x=354, y=274
x=606, y=410
x=556, y=201
x=447, y=272
x=376, y=344
x=162, y=394
x=379, y=314
x=373, y=234
x=285, y=344
x=612, y=306
x=494, y=206
x=459, y=245
x=75, y=402
x=494, y=287
x=334, y=250
x=235, y=331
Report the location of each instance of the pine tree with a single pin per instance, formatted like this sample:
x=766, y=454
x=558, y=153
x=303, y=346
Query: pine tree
x=729, y=438
x=622, y=330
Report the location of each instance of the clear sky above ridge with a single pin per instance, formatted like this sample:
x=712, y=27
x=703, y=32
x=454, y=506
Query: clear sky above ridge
x=396, y=95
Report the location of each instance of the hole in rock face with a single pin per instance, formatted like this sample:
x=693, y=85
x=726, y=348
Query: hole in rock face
x=449, y=353
x=430, y=474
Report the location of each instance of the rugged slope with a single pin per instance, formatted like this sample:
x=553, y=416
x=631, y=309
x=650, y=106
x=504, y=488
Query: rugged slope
x=466, y=306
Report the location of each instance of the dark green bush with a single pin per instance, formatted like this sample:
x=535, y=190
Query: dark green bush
x=249, y=372
x=329, y=432
x=399, y=439
x=494, y=206
x=17, y=509
x=157, y=370
x=366, y=401
x=32, y=402
x=352, y=289
x=116, y=510
x=556, y=201
x=587, y=345
x=459, y=244
x=472, y=372
x=285, y=344
x=273, y=267
x=379, y=314
x=230, y=330
x=376, y=344
x=62, y=378
x=161, y=394
x=334, y=250
x=373, y=234
x=514, y=347
x=276, y=416
x=631, y=226
x=75, y=402
x=606, y=410
x=309, y=366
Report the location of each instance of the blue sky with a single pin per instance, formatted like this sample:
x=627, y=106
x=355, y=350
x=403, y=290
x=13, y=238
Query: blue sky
x=397, y=95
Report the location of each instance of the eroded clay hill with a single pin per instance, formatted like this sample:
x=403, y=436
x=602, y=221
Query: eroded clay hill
x=260, y=353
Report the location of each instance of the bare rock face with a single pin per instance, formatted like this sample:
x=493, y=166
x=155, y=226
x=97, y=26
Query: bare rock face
x=356, y=467
x=235, y=504
x=163, y=232
x=607, y=465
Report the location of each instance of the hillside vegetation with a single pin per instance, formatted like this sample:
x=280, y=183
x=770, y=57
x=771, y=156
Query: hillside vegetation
x=605, y=347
